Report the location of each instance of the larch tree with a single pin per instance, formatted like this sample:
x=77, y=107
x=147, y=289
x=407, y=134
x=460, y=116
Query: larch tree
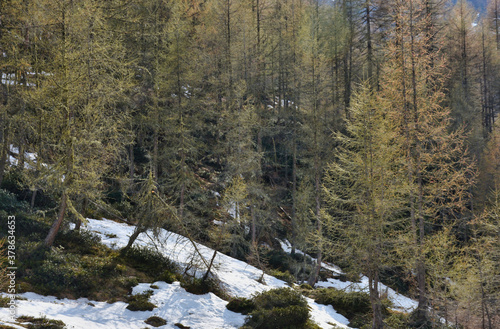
x=363, y=189
x=493, y=17
x=463, y=50
x=439, y=172
x=16, y=120
x=83, y=81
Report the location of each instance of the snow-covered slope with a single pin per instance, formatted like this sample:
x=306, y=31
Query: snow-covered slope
x=174, y=303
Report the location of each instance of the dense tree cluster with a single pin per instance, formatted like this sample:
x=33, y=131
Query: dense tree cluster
x=361, y=130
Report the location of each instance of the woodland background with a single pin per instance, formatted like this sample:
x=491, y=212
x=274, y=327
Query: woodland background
x=361, y=130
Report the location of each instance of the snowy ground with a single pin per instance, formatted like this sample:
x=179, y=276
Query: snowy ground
x=400, y=303
x=174, y=303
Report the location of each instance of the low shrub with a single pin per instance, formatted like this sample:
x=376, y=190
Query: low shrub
x=285, y=276
x=296, y=265
x=200, y=287
x=128, y=283
x=81, y=242
x=279, y=308
x=140, y=302
x=306, y=286
x=169, y=277
x=10, y=204
x=27, y=226
x=156, y=321
x=4, y=301
x=56, y=271
x=241, y=305
x=148, y=261
x=397, y=320
x=41, y=323
x=349, y=304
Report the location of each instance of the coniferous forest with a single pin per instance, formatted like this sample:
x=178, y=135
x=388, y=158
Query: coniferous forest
x=364, y=132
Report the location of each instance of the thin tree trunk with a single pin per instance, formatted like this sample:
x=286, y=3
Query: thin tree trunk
x=51, y=236
x=33, y=197
x=132, y=239
x=131, y=162
x=254, y=226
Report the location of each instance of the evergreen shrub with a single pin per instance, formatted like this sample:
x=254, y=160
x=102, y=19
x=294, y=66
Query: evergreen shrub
x=279, y=308
x=156, y=321
x=285, y=276
x=200, y=287
x=140, y=302
x=241, y=305
x=349, y=304
x=81, y=242
x=41, y=323
x=148, y=261
x=10, y=204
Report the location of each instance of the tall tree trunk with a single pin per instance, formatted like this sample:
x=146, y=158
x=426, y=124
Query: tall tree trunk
x=422, y=311
x=369, y=47
x=4, y=151
x=131, y=162
x=497, y=27
x=373, y=282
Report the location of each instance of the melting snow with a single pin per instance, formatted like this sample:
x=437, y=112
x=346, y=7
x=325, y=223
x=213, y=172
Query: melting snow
x=174, y=304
